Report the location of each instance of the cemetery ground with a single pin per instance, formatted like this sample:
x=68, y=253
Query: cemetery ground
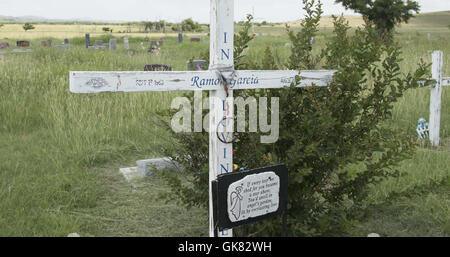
x=60, y=153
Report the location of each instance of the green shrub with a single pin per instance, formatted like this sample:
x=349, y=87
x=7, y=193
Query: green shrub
x=335, y=140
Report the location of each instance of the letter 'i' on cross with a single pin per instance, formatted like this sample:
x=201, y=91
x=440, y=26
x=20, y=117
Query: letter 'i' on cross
x=221, y=68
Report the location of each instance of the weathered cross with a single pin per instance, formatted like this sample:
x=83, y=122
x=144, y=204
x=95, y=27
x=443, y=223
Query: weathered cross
x=436, y=97
x=221, y=79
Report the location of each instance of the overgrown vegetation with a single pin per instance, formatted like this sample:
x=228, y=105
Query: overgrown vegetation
x=335, y=140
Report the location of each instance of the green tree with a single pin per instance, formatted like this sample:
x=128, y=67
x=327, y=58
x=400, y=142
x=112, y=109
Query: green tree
x=28, y=26
x=385, y=14
x=148, y=26
x=189, y=25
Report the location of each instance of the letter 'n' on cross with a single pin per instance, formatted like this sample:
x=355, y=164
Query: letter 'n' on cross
x=221, y=90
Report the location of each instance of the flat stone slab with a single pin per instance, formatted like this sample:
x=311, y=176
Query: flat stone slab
x=130, y=173
x=144, y=166
x=22, y=51
x=97, y=47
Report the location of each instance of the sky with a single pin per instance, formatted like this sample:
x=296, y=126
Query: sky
x=174, y=10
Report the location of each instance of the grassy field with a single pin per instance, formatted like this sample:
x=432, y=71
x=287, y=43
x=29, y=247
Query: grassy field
x=60, y=152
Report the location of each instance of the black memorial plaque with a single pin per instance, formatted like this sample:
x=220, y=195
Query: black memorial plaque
x=249, y=196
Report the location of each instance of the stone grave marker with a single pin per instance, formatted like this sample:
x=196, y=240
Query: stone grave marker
x=87, y=39
x=113, y=44
x=180, y=38
x=195, y=64
x=126, y=43
x=98, y=45
x=195, y=39
x=64, y=46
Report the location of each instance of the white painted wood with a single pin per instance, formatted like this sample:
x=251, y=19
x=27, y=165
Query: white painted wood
x=221, y=57
x=445, y=82
x=142, y=81
x=436, y=98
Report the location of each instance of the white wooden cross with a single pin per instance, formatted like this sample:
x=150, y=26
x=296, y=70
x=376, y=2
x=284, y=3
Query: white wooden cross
x=221, y=64
x=436, y=97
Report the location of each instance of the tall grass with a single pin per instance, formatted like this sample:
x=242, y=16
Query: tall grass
x=54, y=144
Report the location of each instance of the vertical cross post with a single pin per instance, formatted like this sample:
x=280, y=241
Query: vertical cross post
x=221, y=103
x=436, y=98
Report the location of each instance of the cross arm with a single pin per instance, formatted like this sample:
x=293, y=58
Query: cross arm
x=141, y=81
x=445, y=82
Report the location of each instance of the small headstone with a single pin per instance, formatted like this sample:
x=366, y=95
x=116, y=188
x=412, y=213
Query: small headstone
x=195, y=39
x=429, y=36
x=180, y=38
x=126, y=43
x=23, y=43
x=313, y=41
x=99, y=42
x=63, y=47
x=4, y=45
x=112, y=44
x=196, y=65
x=97, y=47
x=49, y=43
x=144, y=166
x=260, y=34
x=88, y=40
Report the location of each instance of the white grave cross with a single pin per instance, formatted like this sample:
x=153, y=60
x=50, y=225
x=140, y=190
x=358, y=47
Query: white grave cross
x=436, y=97
x=221, y=65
